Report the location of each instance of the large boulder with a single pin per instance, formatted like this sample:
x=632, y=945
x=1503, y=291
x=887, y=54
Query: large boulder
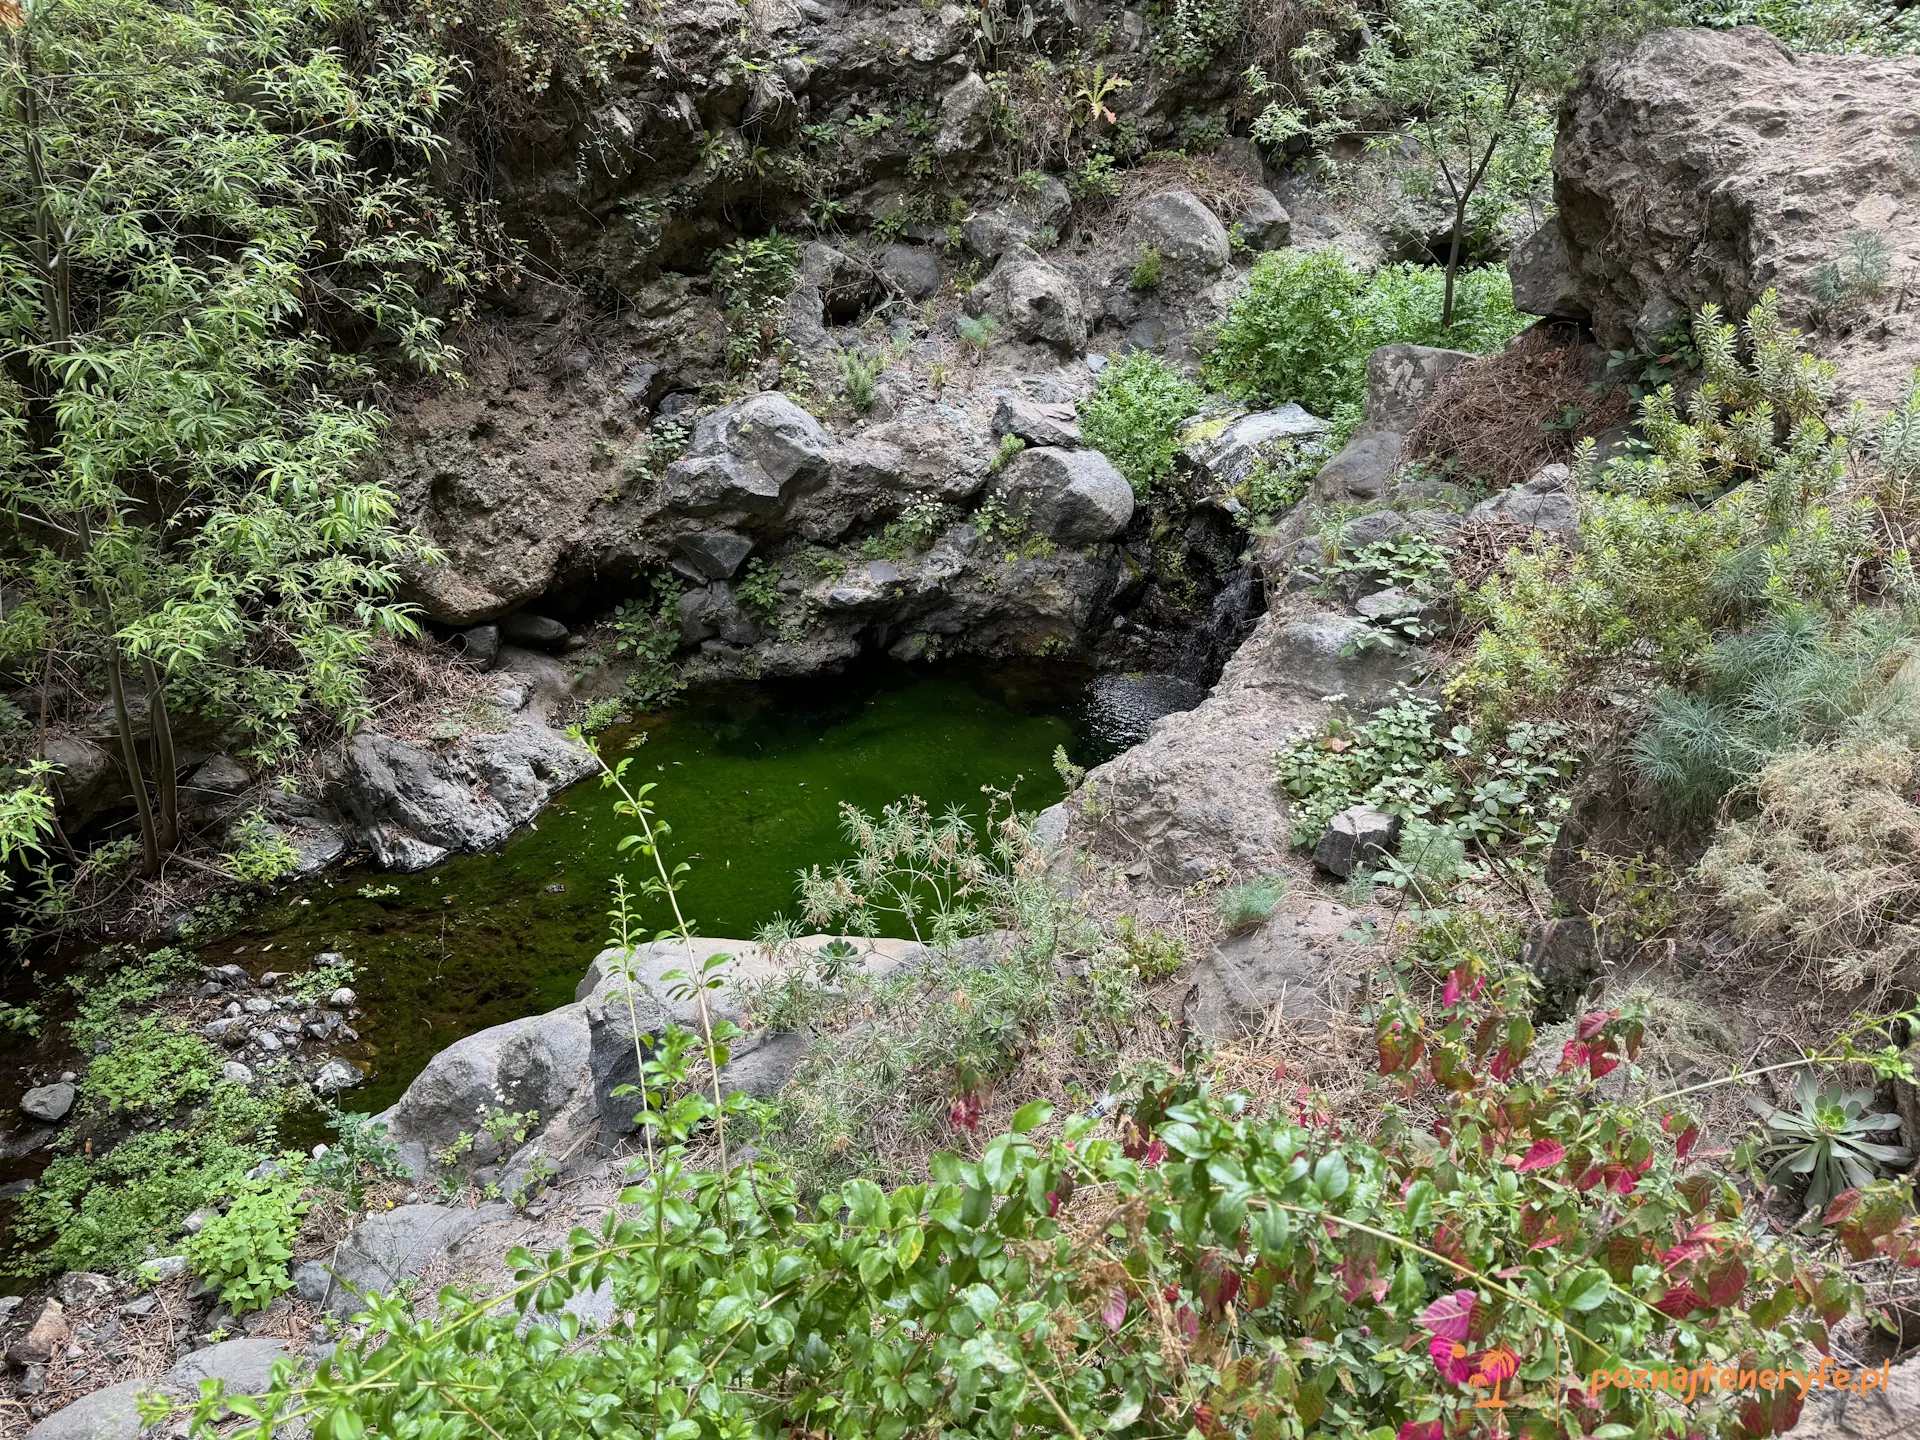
x=566, y=1065
x=1544, y=502
x=1708, y=165
x=1073, y=497
x=1189, y=236
x=389, y=1247
x=966, y=116
x=1032, y=301
x=415, y=806
x=1542, y=273
x=1197, y=796
x=1019, y=221
x=752, y=458
x=1226, y=454
x=1401, y=380
x=1299, y=965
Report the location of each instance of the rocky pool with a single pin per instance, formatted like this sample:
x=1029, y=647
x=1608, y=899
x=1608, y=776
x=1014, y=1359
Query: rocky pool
x=751, y=780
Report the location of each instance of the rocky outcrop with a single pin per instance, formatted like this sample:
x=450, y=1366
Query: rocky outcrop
x=1032, y=300
x=566, y=1065
x=1190, y=238
x=1197, y=797
x=1401, y=379
x=1073, y=497
x=1298, y=966
x=245, y=1367
x=389, y=1247
x=1707, y=165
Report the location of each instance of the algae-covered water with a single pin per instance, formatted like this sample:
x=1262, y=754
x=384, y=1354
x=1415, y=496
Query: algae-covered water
x=750, y=780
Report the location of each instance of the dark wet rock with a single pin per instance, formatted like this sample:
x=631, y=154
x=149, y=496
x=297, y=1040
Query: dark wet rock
x=535, y=632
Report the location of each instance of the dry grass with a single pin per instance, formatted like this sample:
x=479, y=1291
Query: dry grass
x=1501, y=417
x=415, y=690
x=1220, y=187
x=1828, y=871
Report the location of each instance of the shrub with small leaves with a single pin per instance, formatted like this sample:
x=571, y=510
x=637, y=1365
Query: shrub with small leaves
x=243, y=1254
x=1134, y=414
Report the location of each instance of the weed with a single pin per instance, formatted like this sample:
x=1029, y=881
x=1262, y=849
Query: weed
x=752, y=278
x=1146, y=269
x=1151, y=955
x=1248, y=905
x=1134, y=415
x=261, y=852
x=1010, y=446
x=977, y=334
x=243, y=1253
x=155, y=1066
x=860, y=374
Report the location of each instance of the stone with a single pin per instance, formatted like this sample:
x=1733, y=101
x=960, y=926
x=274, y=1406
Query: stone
x=535, y=632
x=1889, y=1412
x=1197, y=796
x=716, y=554
x=1228, y=457
x=1022, y=221
x=1713, y=165
x=1543, y=280
x=199, y=1220
x=228, y=974
x=335, y=1076
x=1032, y=301
x=46, y=1337
x=1544, y=502
x=257, y=1005
x=910, y=270
x=1565, y=957
x=966, y=116
x=1188, y=235
x=1356, y=840
x=1073, y=497
x=1401, y=380
x=17, y=1189
x=48, y=1103
x=166, y=1267
x=342, y=999
x=234, y=1071
x=1037, y=424
x=86, y=781
x=1363, y=468
x=269, y=1043
x=1393, y=603
x=480, y=645
x=245, y=1367
x=221, y=776
x=750, y=459
x=109, y=1414
x=414, y=807
x=1263, y=221
x=389, y=1247
x=1290, y=968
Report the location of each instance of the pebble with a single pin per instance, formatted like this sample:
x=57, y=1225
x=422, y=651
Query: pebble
x=270, y=978
x=341, y=999
x=166, y=1267
x=233, y=1010
x=241, y=1075
x=140, y=1308
x=199, y=1219
x=258, y=1005
x=268, y=1041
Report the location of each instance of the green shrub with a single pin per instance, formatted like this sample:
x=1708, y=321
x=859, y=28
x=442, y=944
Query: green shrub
x=1249, y=905
x=155, y=1066
x=1146, y=269
x=649, y=631
x=243, y=1254
x=1134, y=415
x=261, y=852
x=1498, y=787
x=1307, y=321
x=752, y=279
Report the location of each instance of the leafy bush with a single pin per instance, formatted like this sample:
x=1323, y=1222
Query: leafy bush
x=1504, y=791
x=1718, y=520
x=860, y=374
x=1134, y=414
x=110, y=1211
x=1146, y=269
x=1205, y=1268
x=752, y=279
x=261, y=851
x=243, y=1253
x=1245, y=906
x=155, y=1066
x=1303, y=328
x=649, y=631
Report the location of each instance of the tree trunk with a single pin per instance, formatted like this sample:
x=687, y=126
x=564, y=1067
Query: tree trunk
x=1453, y=260
x=130, y=755
x=165, y=772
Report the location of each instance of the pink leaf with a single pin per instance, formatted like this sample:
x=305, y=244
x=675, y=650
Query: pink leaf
x=1450, y=1359
x=1450, y=996
x=1114, y=1312
x=1451, y=1316
x=1592, y=1023
x=1423, y=1430
x=1544, y=1155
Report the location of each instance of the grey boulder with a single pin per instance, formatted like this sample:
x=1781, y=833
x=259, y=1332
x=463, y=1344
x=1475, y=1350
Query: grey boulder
x=1036, y=424
x=1290, y=968
x=109, y=1414
x=715, y=554
x=1543, y=280
x=48, y=1103
x=752, y=458
x=911, y=270
x=245, y=1367
x=1073, y=497
x=1545, y=502
x=966, y=116
x=1187, y=234
x=1356, y=839
x=1264, y=222
x=535, y=632
x=388, y=1248
x=1401, y=381
x=480, y=645
x=1227, y=458
x=1033, y=301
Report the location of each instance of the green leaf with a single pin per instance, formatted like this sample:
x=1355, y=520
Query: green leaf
x=1031, y=1116
x=1330, y=1176
x=1419, y=1203
x=1586, y=1290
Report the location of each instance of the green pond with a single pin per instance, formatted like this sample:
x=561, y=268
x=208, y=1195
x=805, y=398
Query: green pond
x=750, y=779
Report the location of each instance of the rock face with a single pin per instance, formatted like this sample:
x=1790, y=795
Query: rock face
x=1197, y=795
x=1032, y=300
x=567, y=1063
x=1711, y=165
x=387, y=1248
x=1544, y=502
x=1291, y=967
x=1073, y=497
x=416, y=806
x=245, y=1366
x=1401, y=379
x=1189, y=236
